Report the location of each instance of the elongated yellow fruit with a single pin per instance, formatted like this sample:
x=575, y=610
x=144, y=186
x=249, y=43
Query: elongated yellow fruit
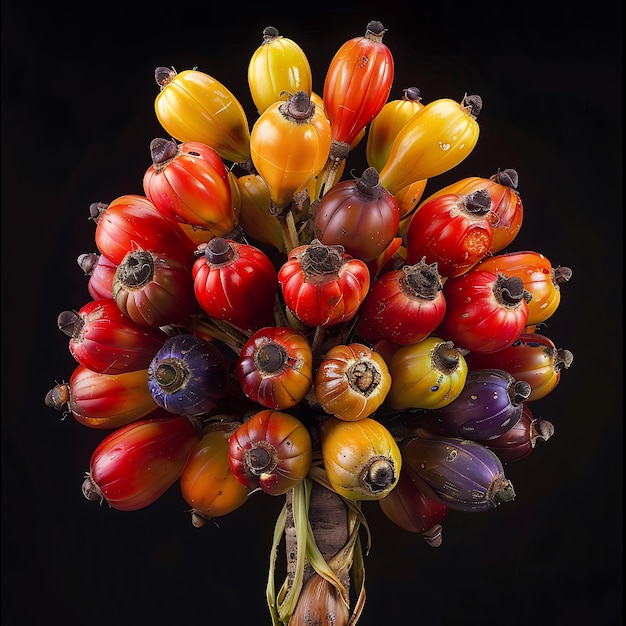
x=278, y=69
x=193, y=106
x=388, y=123
x=433, y=141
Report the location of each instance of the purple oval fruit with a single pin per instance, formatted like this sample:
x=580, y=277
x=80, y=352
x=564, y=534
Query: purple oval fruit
x=518, y=442
x=460, y=473
x=489, y=405
x=188, y=375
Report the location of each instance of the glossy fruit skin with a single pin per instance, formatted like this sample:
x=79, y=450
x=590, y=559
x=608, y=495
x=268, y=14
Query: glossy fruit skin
x=108, y=400
x=386, y=125
x=408, y=199
x=460, y=473
x=318, y=297
x=352, y=381
x=189, y=182
x=132, y=223
x=490, y=403
x=207, y=483
x=237, y=283
x=391, y=258
x=194, y=106
x=407, y=506
x=187, y=376
x=101, y=272
x=272, y=451
x=478, y=317
x=353, y=452
x=428, y=374
x=289, y=146
x=358, y=214
x=417, y=151
x=357, y=83
x=533, y=358
x=275, y=367
x=254, y=216
x=403, y=306
x=136, y=464
x=541, y=279
x=453, y=231
x=277, y=68
x=518, y=442
x=506, y=204
x=154, y=289
x=105, y=340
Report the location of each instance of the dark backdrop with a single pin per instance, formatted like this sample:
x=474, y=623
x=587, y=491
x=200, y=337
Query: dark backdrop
x=77, y=119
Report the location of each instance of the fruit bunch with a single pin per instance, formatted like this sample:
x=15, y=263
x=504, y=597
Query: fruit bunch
x=260, y=322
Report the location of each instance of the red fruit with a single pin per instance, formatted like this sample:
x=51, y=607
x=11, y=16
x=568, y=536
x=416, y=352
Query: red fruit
x=533, y=358
x=410, y=508
x=138, y=463
x=188, y=182
x=485, y=311
x=132, y=223
x=105, y=340
x=403, y=306
x=271, y=451
x=237, y=283
x=103, y=400
x=357, y=84
x=454, y=231
x=322, y=285
x=101, y=272
x=154, y=289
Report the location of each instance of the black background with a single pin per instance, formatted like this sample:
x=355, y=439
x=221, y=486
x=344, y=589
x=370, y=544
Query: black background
x=77, y=119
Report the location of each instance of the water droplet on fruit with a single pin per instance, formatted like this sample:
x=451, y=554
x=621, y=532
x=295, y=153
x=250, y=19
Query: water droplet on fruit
x=444, y=146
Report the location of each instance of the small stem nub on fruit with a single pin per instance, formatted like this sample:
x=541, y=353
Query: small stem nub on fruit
x=509, y=289
x=172, y=374
x=270, y=33
x=369, y=184
x=136, y=269
x=446, y=357
x=474, y=103
x=319, y=259
x=413, y=94
x=520, y=392
x=561, y=275
x=162, y=151
x=508, y=178
x=261, y=458
x=70, y=323
x=218, y=251
x=270, y=358
x=380, y=475
x=421, y=280
x=478, y=202
x=363, y=376
x=299, y=107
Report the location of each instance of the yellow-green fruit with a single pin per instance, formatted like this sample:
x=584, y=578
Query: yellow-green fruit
x=278, y=69
x=361, y=458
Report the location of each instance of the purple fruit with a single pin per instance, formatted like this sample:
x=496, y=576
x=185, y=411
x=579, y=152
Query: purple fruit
x=460, y=473
x=518, y=442
x=187, y=376
x=489, y=405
